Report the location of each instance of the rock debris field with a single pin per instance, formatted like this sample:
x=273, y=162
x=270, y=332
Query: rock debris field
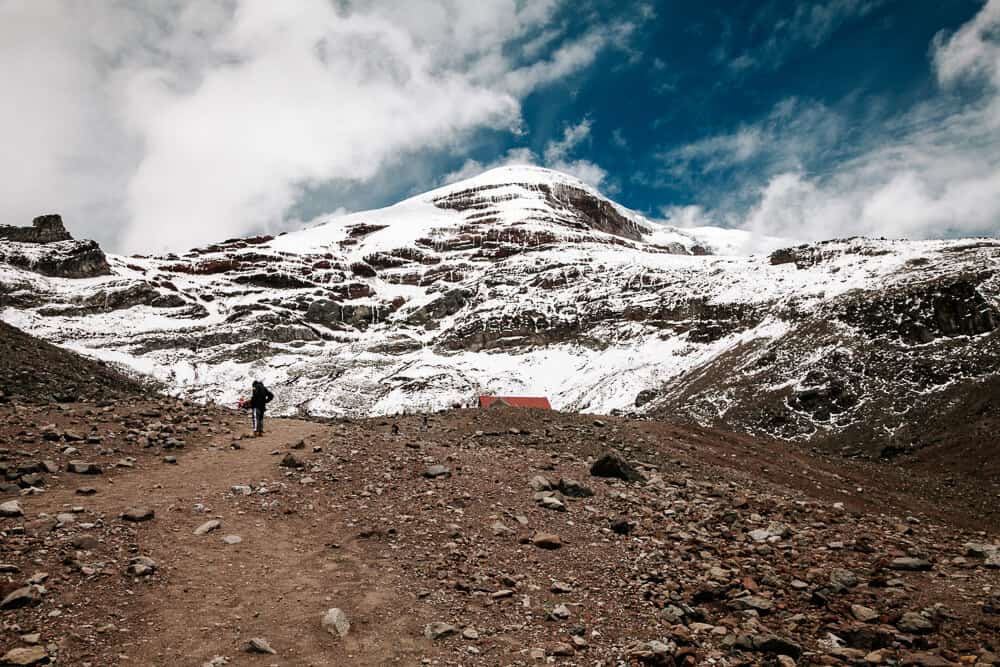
x=150, y=531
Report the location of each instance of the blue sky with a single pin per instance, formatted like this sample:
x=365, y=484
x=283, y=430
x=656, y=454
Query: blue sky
x=175, y=123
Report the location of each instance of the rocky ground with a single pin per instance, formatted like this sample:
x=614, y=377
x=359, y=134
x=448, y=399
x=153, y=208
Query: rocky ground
x=142, y=530
x=469, y=538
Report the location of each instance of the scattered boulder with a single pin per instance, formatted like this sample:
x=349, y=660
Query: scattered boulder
x=614, y=465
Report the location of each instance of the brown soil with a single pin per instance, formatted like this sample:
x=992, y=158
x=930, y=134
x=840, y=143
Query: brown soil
x=359, y=525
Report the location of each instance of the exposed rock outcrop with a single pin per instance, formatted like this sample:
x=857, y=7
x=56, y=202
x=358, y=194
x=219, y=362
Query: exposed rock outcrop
x=47, y=248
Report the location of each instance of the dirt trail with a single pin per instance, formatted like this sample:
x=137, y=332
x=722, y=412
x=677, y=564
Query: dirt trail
x=211, y=597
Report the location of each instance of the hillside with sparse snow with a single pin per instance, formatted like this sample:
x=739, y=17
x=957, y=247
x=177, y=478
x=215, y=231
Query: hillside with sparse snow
x=527, y=281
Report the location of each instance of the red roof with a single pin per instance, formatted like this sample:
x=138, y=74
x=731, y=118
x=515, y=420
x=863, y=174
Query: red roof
x=539, y=402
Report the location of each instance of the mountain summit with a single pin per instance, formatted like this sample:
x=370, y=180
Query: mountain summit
x=525, y=281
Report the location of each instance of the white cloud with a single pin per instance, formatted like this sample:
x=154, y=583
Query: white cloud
x=809, y=26
x=165, y=125
x=933, y=172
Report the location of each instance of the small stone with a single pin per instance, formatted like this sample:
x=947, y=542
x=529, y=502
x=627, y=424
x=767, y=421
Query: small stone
x=11, y=509
x=863, y=613
x=754, y=602
x=499, y=529
x=439, y=630
x=470, y=633
x=559, y=587
x=552, y=503
x=776, y=645
x=574, y=489
x=141, y=566
x=86, y=491
x=259, y=645
x=83, y=468
x=546, y=540
x=85, y=542
x=842, y=580
x=291, y=461
x=621, y=526
x=170, y=459
x=613, y=464
x=914, y=623
x=32, y=655
x=910, y=564
x=232, y=539
x=22, y=597
x=539, y=483
x=336, y=623
x=208, y=527
x=561, y=649
x=436, y=471
x=560, y=612
x=137, y=514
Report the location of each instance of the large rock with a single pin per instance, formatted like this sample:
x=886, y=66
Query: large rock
x=614, y=465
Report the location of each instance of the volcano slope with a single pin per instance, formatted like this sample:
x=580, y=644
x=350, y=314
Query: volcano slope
x=462, y=538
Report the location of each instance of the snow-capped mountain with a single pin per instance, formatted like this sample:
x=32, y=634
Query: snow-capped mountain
x=527, y=281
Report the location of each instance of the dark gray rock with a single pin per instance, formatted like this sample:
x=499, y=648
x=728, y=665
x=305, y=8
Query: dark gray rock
x=614, y=465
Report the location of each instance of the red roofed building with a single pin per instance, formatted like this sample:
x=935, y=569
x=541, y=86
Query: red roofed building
x=539, y=402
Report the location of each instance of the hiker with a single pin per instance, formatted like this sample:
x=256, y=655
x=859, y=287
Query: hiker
x=259, y=399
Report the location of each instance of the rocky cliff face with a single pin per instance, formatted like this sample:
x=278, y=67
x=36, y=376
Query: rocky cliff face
x=526, y=281
x=47, y=248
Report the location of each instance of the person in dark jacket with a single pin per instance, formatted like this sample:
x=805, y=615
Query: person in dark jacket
x=259, y=399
